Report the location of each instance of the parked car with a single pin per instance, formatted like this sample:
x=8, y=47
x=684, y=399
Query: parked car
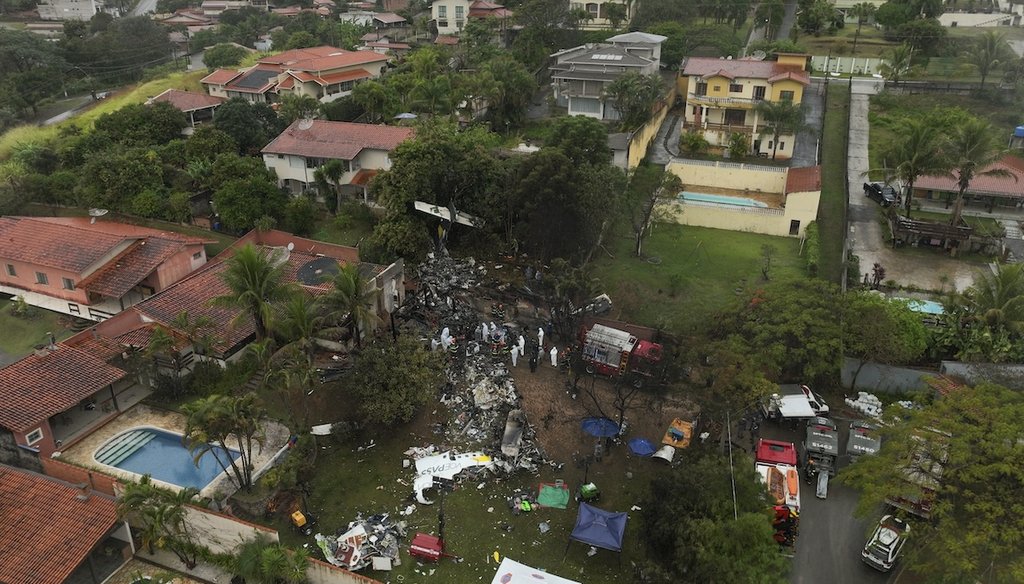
x=885, y=545
x=882, y=193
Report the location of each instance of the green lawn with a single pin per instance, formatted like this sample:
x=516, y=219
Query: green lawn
x=871, y=43
x=20, y=335
x=348, y=231
x=698, y=272
x=832, y=208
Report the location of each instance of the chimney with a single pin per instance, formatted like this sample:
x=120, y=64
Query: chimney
x=84, y=492
x=53, y=342
x=41, y=350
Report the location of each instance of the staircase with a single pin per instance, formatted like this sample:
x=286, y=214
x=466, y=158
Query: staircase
x=124, y=446
x=1012, y=240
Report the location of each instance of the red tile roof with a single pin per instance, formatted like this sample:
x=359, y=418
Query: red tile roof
x=188, y=101
x=393, y=46
x=126, y=229
x=343, y=76
x=803, y=180
x=46, y=532
x=336, y=140
x=388, y=18
x=745, y=68
x=363, y=177
x=41, y=243
x=123, y=273
x=371, y=36
x=443, y=39
x=35, y=388
x=318, y=59
x=220, y=77
x=998, y=186
x=484, y=9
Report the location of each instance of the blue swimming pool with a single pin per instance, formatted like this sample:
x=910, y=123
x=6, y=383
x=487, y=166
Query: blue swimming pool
x=924, y=306
x=720, y=200
x=161, y=455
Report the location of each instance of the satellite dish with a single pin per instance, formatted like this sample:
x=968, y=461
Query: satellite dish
x=305, y=124
x=278, y=255
x=290, y=246
x=97, y=212
x=759, y=55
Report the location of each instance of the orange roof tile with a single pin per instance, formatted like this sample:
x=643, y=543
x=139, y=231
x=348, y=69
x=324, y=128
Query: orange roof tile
x=343, y=76
x=220, y=77
x=999, y=186
x=188, y=101
x=123, y=273
x=336, y=140
x=42, y=243
x=46, y=531
x=803, y=180
x=737, y=68
x=363, y=177
x=35, y=388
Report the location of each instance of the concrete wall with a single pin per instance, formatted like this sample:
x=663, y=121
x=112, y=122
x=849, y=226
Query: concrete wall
x=748, y=219
x=105, y=484
x=177, y=267
x=978, y=20
x=14, y=455
x=854, y=65
x=729, y=175
x=324, y=573
x=25, y=279
x=1006, y=374
x=874, y=377
x=641, y=139
x=222, y=534
x=68, y=10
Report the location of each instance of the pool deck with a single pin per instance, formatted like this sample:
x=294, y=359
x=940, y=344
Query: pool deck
x=773, y=200
x=81, y=453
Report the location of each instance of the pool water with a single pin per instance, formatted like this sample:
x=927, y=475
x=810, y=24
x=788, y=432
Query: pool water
x=721, y=200
x=924, y=306
x=162, y=455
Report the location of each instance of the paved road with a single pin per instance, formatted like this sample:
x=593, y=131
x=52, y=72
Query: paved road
x=788, y=20
x=831, y=538
x=143, y=7
x=806, y=151
x=666, y=144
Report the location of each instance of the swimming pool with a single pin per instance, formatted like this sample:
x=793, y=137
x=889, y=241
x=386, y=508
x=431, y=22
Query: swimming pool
x=924, y=306
x=720, y=200
x=161, y=455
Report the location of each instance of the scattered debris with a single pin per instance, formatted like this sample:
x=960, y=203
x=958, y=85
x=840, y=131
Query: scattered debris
x=867, y=404
x=444, y=466
x=363, y=540
x=544, y=527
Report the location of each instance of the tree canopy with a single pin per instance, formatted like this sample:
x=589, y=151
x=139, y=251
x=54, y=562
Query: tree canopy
x=393, y=379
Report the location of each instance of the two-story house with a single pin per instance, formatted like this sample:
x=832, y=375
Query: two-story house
x=579, y=75
x=598, y=17
x=450, y=16
x=90, y=270
x=325, y=73
x=722, y=97
x=307, y=145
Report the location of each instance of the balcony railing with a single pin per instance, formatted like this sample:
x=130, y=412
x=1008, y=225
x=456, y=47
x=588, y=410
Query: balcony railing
x=723, y=101
x=728, y=128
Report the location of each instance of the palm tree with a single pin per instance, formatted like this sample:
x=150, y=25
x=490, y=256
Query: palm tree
x=970, y=152
x=295, y=106
x=899, y=64
x=997, y=300
x=160, y=517
x=213, y=420
x=990, y=52
x=256, y=283
x=261, y=561
x=780, y=118
x=433, y=94
x=863, y=11
x=916, y=152
x=616, y=14
x=350, y=299
x=298, y=323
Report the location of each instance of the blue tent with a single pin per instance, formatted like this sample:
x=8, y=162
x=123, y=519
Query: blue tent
x=599, y=528
x=642, y=447
x=600, y=427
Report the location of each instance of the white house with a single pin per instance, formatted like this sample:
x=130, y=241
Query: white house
x=450, y=15
x=597, y=12
x=306, y=145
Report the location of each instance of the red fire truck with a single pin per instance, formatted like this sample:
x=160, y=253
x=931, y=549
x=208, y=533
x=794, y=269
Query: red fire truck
x=613, y=352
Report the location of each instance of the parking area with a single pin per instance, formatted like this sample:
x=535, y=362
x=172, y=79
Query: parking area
x=831, y=538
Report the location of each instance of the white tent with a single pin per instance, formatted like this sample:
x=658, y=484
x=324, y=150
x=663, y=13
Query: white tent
x=512, y=572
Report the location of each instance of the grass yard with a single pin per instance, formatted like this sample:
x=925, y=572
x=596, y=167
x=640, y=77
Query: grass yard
x=870, y=44
x=832, y=208
x=125, y=96
x=21, y=335
x=349, y=231
x=700, y=272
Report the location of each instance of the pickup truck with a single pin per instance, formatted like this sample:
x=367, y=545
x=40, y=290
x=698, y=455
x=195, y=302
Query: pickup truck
x=798, y=405
x=884, y=194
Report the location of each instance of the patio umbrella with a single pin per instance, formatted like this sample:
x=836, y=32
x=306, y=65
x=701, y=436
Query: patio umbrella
x=406, y=116
x=600, y=427
x=641, y=447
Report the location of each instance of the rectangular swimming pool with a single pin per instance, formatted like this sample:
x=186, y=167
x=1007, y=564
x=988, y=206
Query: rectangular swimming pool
x=723, y=200
x=163, y=456
x=923, y=306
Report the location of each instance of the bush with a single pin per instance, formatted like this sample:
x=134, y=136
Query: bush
x=812, y=248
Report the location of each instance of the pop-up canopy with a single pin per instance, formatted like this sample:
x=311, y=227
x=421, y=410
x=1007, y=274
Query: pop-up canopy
x=599, y=528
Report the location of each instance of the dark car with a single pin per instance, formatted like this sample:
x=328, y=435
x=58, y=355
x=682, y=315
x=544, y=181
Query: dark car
x=884, y=194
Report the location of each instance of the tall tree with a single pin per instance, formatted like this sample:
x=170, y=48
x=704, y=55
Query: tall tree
x=779, y=118
x=996, y=300
x=862, y=11
x=215, y=421
x=262, y=561
x=511, y=92
x=916, y=151
x=882, y=330
x=969, y=439
x=224, y=55
x=297, y=106
x=350, y=300
x=616, y=14
x=899, y=64
x=391, y=380
x=990, y=52
x=160, y=517
x=970, y=152
x=255, y=280
x=376, y=98
x=251, y=125
x=242, y=203
x=634, y=96
x=648, y=186
x=584, y=140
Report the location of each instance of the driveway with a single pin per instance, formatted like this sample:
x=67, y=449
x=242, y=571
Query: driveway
x=805, y=153
x=666, y=144
x=930, y=270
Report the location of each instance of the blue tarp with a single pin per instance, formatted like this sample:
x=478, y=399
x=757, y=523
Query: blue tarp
x=600, y=427
x=599, y=528
x=642, y=447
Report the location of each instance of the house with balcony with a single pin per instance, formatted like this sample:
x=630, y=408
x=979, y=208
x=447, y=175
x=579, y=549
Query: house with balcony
x=90, y=270
x=579, y=75
x=199, y=107
x=597, y=12
x=450, y=16
x=325, y=73
x=306, y=145
x=722, y=96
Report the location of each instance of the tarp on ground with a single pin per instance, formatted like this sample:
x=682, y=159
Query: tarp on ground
x=512, y=572
x=641, y=446
x=553, y=495
x=599, y=427
x=599, y=528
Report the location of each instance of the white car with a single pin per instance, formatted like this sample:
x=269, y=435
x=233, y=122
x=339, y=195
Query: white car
x=885, y=545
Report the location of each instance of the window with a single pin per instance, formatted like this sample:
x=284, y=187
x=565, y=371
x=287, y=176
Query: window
x=794, y=227
x=759, y=91
x=786, y=95
x=460, y=12
x=69, y=284
x=442, y=11
x=717, y=88
x=584, y=105
x=735, y=88
x=782, y=145
x=702, y=89
x=593, y=9
x=11, y=271
x=735, y=117
x=198, y=255
x=42, y=279
x=34, y=436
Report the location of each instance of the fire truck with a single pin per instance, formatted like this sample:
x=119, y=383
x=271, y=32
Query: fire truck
x=613, y=352
x=775, y=463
